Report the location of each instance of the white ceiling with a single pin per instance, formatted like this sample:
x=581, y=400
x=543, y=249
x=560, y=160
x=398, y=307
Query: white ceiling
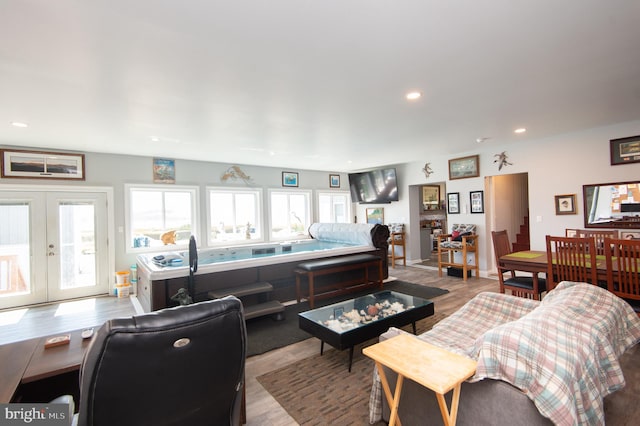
x=312, y=84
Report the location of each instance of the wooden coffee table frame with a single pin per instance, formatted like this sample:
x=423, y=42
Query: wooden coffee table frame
x=423, y=308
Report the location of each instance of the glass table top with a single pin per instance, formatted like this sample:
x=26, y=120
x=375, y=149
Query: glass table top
x=354, y=313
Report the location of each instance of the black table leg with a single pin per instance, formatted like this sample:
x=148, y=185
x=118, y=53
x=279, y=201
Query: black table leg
x=321, y=346
x=413, y=324
x=350, y=358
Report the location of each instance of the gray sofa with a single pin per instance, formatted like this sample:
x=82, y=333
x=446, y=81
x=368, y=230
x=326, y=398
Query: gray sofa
x=539, y=363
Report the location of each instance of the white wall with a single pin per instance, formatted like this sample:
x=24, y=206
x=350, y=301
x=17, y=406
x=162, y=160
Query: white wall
x=555, y=166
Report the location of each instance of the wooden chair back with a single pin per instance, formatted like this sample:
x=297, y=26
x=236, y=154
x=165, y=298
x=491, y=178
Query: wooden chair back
x=623, y=267
x=598, y=236
x=571, y=259
x=501, y=247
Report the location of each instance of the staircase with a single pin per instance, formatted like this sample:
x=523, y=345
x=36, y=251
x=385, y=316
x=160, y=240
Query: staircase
x=522, y=239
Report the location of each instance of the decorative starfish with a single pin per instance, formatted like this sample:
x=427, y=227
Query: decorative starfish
x=502, y=160
x=427, y=169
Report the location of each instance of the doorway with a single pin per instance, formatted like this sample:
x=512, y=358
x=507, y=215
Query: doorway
x=53, y=246
x=508, y=208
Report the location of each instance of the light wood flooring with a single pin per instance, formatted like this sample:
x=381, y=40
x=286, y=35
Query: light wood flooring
x=264, y=410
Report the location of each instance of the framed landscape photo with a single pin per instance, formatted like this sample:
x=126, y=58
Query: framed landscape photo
x=464, y=167
x=453, y=202
x=290, y=179
x=477, y=201
x=625, y=150
x=334, y=181
x=375, y=215
x=566, y=204
x=42, y=165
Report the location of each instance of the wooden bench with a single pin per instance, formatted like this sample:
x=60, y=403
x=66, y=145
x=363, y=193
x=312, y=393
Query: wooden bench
x=268, y=307
x=337, y=265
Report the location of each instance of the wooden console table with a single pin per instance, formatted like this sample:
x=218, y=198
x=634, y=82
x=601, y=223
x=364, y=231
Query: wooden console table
x=428, y=365
x=27, y=361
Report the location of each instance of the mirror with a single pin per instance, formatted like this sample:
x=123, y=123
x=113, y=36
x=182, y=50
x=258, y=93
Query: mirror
x=612, y=205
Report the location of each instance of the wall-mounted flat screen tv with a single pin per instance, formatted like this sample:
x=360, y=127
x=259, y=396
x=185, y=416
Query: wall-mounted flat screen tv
x=374, y=186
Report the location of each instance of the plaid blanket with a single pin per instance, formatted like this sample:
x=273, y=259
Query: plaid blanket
x=562, y=352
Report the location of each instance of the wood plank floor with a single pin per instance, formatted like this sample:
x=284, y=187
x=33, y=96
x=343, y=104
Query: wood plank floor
x=264, y=410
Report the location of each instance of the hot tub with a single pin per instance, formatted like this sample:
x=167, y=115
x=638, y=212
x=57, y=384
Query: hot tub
x=161, y=277
x=176, y=264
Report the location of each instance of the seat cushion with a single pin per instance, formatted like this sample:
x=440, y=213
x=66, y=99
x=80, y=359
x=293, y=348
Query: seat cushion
x=526, y=283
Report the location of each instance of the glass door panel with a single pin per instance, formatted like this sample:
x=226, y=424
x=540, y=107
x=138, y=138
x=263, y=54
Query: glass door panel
x=76, y=235
x=20, y=282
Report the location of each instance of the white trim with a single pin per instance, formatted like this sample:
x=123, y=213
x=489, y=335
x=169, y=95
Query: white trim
x=195, y=212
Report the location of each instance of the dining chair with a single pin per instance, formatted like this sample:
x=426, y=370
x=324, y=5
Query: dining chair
x=623, y=270
x=530, y=287
x=598, y=237
x=571, y=259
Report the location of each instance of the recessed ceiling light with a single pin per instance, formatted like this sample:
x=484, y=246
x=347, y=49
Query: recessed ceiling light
x=412, y=96
x=155, y=139
x=480, y=140
x=520, y=130
x=19, y=124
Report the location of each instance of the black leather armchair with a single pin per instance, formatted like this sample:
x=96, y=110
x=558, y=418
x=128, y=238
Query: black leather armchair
x=178, y=366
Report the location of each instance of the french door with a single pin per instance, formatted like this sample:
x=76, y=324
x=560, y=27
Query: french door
x=53, y=246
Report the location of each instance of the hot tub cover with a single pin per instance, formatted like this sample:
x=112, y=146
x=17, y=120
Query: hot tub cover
x=350, y=233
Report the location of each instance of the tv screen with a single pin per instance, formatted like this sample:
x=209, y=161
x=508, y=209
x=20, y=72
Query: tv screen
x=374, y=186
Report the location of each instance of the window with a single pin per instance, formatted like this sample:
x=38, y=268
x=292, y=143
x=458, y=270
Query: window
x=160, y=216
x=290, y=214
x=334, y=207
x=234, y=215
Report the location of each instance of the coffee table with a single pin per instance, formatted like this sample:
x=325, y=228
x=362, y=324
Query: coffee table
x=346, y=324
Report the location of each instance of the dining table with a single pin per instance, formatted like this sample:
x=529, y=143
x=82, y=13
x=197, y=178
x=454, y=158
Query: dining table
x=535, y=261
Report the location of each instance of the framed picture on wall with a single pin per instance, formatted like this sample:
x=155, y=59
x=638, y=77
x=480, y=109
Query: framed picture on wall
x=334, y=181
x=290, y=179
x=164, y=170
x=464, y=167
x=625, y=150
x=42, y=165
x=477, y=201
x=375, y=215
x=453, y=202
x=566, y=204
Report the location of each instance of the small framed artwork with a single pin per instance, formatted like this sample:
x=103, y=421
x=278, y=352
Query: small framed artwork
x=464, y=167
x=334, y=181
x=453, y=202
x=164, y=170
x=42, y=165
x=625, y=150
x=431, y=197
x=338, y=312
x=566, y=204
x=477, y=201
x=630, y=235
x=290, y=179
x=571, y=233
x=375, y=215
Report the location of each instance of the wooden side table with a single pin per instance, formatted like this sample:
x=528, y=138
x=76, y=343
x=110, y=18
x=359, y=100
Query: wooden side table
x=428, y=365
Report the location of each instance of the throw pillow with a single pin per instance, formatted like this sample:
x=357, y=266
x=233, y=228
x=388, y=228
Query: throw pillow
x=455, y=235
